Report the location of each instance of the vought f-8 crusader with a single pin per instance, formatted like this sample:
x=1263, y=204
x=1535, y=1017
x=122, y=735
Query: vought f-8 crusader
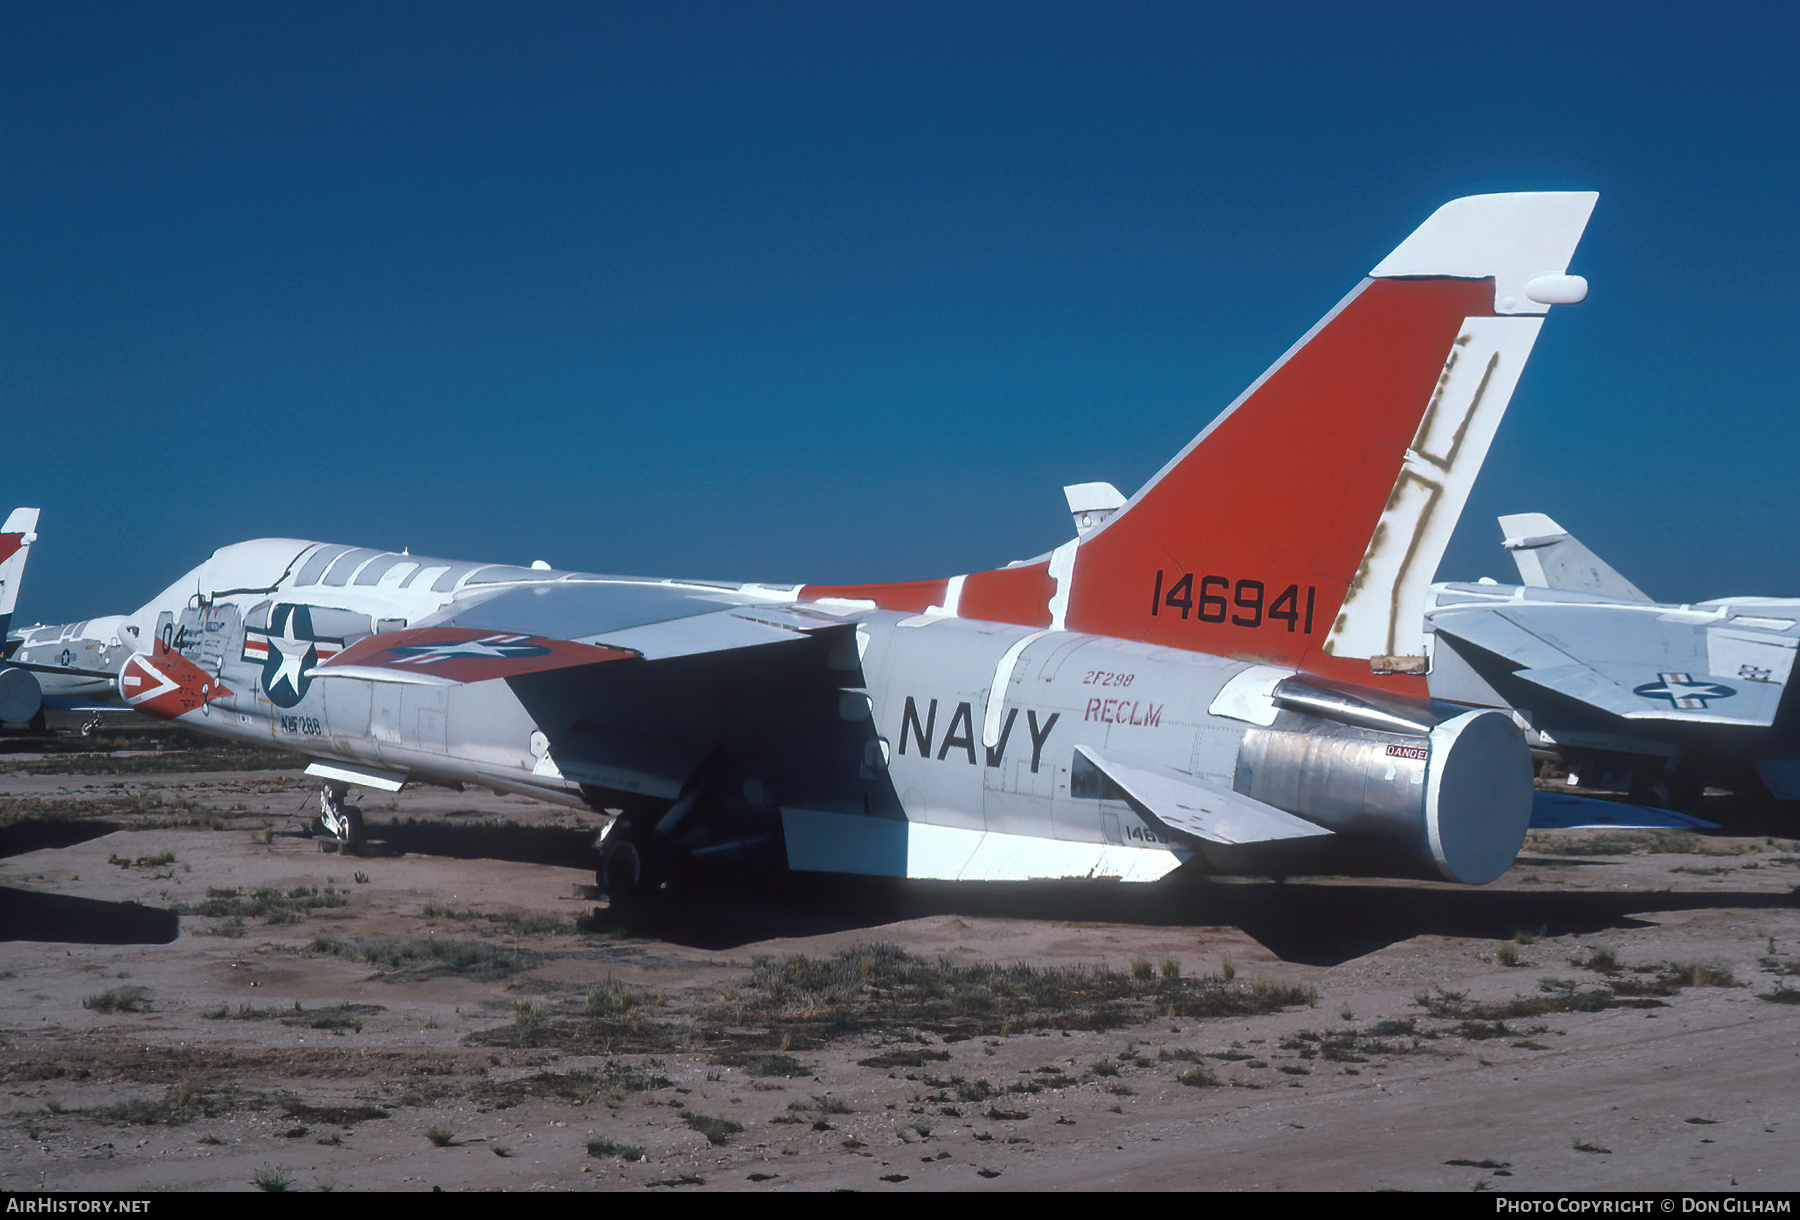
x=1226, y=669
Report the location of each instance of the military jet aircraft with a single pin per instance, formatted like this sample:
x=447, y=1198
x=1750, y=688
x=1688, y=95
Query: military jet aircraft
x=1654, y=700
x=1227, y=668
x=74, y=666
x=18, y=690
x=16, y=537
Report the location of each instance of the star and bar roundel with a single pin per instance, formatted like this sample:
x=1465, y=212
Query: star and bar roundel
x=1683, y=692
x=288, y=650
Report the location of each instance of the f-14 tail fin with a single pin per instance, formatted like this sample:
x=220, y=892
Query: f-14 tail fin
x=1550, y=557
x=16, y=537
x=1305, y=524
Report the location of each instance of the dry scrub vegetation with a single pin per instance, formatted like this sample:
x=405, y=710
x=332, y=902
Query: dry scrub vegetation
x=799, y=1003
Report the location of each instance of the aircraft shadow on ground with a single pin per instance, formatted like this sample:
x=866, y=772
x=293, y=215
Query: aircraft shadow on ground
x=49, y=833
x=1319, y=923
x=566, y=846
x=63, y=919
x=1322, y=923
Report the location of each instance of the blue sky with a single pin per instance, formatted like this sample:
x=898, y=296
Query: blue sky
x=842, y=292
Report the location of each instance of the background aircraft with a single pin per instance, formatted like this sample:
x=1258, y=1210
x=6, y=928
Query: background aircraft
x=18, y=690
x=16, y=537
x=1655, y=700
x=1226, y=668
x=73, y=667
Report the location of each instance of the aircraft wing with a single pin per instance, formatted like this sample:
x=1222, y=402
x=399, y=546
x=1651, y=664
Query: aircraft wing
x=1636, y=661
x=540, y=628
x=630, y=681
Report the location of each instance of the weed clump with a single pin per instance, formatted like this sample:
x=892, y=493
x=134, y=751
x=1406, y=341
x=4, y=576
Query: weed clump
x=272, y=1179
x=274, y=906
x=527, y=923
x=1601, y=959
x=467, y=957
x=614, y=999
x=119, y=999
x=603, y=1146
x=160, y=859
x=716, y=1130
x=1630, y=987
x=777, y=1065
x=183, y=1102
x=882, y=986
x=608, y=1084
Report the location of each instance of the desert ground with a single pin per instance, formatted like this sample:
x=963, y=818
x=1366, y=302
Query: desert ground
x=195, y=996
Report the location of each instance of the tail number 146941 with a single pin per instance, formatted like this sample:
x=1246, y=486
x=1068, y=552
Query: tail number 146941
x=1244, y=603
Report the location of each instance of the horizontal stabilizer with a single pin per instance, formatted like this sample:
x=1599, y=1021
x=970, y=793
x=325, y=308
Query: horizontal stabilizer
x=1183, y=804
x=827, y=842
x=1550, y=558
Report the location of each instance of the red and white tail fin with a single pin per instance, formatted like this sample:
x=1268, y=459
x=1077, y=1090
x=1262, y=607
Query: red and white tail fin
x=16, y=537
x=1303, y=526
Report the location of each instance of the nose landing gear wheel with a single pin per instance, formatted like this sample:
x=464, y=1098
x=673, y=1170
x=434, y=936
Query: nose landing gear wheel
x=628, y=875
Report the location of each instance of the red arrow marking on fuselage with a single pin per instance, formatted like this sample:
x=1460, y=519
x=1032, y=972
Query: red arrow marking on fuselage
x=167, y=685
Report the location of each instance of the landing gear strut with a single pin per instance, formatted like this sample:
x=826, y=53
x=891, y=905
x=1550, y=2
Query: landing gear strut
x=338, y=820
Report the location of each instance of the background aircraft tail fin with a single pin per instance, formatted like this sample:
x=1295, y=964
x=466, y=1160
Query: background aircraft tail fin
x=16, y=537
x=1304, y=525
x=1550, y=558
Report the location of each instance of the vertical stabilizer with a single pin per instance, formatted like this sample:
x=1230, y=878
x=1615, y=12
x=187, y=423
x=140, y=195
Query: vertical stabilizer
x=1305, y=524
x=16, y=537
x=1550, y=558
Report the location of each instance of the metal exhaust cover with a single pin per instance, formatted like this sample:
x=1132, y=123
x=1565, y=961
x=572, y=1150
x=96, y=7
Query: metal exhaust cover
x=1477, y=796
